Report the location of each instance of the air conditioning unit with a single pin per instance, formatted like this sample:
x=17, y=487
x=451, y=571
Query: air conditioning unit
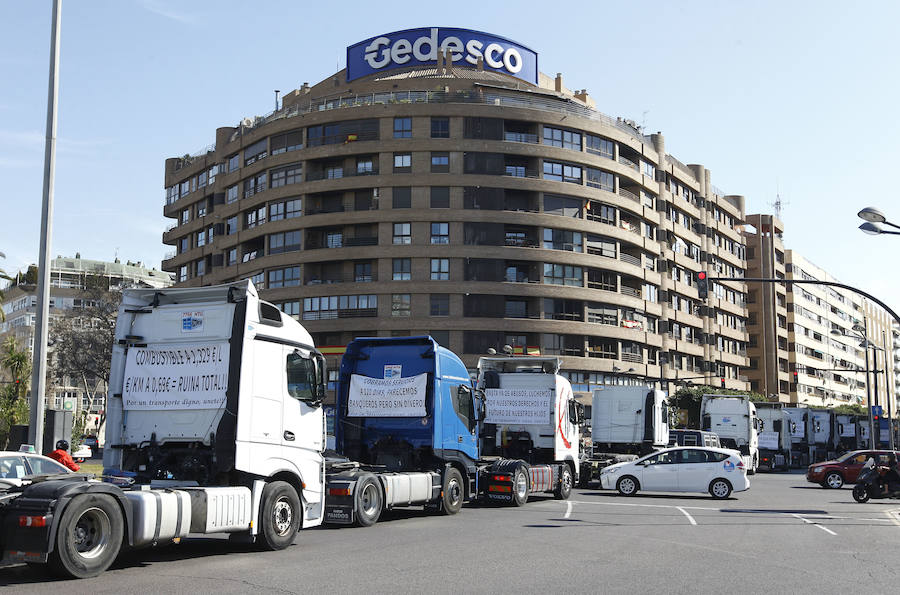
x=247, y=123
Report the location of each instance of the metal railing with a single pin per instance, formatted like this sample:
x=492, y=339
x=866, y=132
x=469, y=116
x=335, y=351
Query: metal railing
x=629, y=194
x=520, y=137
x=629, y=163
x=628, y=258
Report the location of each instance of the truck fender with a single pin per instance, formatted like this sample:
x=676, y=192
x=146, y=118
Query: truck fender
x=64, y=490
x=296, y=481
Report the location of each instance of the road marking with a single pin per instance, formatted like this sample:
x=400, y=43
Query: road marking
x=568, y=509
x=809, y=522
x=893, y=515
x=690, y=518
x=643, y=505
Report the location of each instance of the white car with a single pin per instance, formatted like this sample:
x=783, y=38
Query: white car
x=14, y=466
x=718, y=471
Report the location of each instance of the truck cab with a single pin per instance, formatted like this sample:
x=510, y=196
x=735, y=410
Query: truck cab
x=734, y=419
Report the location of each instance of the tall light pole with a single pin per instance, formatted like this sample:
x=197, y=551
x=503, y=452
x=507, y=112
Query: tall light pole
x=42, y=320
x=861, y=332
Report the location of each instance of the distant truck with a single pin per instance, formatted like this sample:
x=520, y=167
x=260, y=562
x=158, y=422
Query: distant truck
x=626, y=422
x=847, y=434
x=734, y=419
x=798, y=429
x=774, y=437
x=214, y=425
x=410, y=425
x=821, y=435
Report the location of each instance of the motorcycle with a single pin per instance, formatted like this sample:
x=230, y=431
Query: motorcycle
x=869, y=485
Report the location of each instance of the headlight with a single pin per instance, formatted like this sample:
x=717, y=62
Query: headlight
x=609, y=470
x=818, y=469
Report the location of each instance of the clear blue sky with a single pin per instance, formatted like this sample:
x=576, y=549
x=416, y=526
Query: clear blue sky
x=793, y=97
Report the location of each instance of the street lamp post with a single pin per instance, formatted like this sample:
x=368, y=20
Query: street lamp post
x=861, y=331
x=874, y=219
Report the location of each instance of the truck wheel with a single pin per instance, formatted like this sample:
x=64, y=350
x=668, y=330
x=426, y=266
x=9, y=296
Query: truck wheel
x=280, y=514
x=719, y=489
x=453, y=492
x=520, y=486
x=564, y=489
x=88, y=537
x=834, y=481
x=367, y=500
x=627, y=486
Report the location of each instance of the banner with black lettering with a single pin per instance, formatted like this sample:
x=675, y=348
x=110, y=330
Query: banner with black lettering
x=178, y=376
x=518, y=406
x=387, y=397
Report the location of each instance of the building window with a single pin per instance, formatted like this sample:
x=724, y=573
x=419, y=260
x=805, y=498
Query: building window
x=402, y=269
x=440, y=304
x=276, y=211
x=184, y=244
x=292, y=309
x=255, y=217
x=231, y=194
x=234, y=162
x=402, y=233
x=558, y=274
x=599, y=146
x=562, y=239
x=400, y=304
x=401, y=197
x=185, y=216
x=440, y=269
x=185, y=188
x=440, y=162
x=288, y=277
x=566, y=139
x=402, y=163
x=255, y=184
x=440, y=197
x=293, y=208
x=562, y=172
x=291, y=174
x=290, y=141
x=597, y=178
x=288, y=241
x=440, y=233
x=340, y=306
x=365, y=166
x=402, y=127
x=440, y=128
x=334, y=172
x=231, y=256
x=183, y=274
x=259, y=280
x=362, y=272
x=201, y=239
x=256, y=151
x=201, y=267
x=334, y=239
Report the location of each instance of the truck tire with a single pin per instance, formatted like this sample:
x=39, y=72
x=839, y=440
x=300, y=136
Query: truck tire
x=564, y=487
x=520, y=487
x=453, y=491
x=279, y=515
x=88, y=537
x=367, y=501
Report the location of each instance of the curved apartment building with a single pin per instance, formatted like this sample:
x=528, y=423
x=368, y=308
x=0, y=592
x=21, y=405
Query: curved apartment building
x=453, y=198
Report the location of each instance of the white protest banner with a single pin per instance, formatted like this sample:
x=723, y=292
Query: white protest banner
x=768, y=440
x=518, y=406
x=387, y=397
x=178, y=376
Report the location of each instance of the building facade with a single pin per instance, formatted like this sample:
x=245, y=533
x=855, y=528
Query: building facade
x=454, y=199
x=70, y=279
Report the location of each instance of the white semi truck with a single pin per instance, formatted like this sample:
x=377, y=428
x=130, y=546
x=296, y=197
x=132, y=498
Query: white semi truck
x=626, y=422
x=774, y=437
x=734, y=419
x=214, y=425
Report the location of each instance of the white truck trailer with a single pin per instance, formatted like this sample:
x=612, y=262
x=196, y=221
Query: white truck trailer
x=214, y=425
x=626, y=422
x=774, y=437
x=734, y=419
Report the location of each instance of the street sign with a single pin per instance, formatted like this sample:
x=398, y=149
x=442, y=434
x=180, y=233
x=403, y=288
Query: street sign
x=877, y=411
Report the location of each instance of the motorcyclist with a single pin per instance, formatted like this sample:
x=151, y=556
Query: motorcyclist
x=890, y=476
x=62, y=456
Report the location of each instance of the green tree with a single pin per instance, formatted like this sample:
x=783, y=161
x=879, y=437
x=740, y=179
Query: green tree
x=16, y=365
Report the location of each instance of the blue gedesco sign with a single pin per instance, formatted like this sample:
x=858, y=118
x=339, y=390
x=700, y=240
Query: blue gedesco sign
x=414, y=47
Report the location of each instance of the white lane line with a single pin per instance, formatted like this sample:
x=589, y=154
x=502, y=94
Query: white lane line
x=642, y=505
x=568, y=509
x=809, y=522
x=893, y=515
x=690, y=518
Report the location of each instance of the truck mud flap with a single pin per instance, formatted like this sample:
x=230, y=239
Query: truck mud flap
x=338, y=514
x=496, y=482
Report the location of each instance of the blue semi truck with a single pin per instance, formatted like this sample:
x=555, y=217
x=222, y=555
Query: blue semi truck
x=410, y=426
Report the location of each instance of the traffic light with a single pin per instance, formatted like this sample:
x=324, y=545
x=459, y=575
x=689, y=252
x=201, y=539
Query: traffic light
x=702, y=285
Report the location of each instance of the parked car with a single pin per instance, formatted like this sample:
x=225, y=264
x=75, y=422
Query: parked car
x=82, y=453
x=16, y=465
x=718, y=471
x=845, y=469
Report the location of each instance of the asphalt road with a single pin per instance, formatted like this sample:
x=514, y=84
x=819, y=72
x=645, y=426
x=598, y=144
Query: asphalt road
x=781, y=536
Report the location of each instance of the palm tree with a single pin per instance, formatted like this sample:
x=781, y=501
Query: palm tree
x=17, y=363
